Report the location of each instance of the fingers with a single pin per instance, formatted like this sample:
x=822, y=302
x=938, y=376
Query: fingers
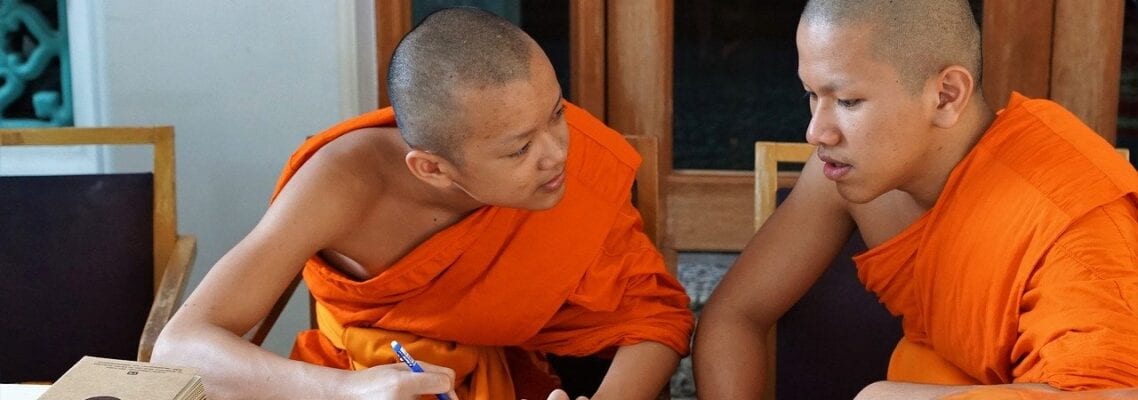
x=425, y=383
x=561, y=395
x=558, y=395
x=428, y=367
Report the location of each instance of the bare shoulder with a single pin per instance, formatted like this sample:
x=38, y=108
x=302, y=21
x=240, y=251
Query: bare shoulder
x=816, y=197
x=355, y=164
x=789, y=252
x=342, y=180
x=362, y=155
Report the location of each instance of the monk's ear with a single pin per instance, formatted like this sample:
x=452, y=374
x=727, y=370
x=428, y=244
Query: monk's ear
x=430, y=168
x=954, y=86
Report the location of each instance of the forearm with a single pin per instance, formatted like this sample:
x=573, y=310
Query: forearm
x=638, y=371
x=1019, y=391
x=232, y=368
x=886, y=390
x=729, y=357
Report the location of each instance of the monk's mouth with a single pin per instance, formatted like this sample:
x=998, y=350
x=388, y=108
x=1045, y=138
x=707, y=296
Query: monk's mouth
x=836, y=170
x=555, y=183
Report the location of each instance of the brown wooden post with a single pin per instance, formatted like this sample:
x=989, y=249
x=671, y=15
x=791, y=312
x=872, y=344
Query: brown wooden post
x=1017, y=49
x=587, y=55
x=640, y=71
x=639, y=83
x=392, y=21
x=1087, y=61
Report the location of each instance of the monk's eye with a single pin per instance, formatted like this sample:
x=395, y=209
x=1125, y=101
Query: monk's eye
x=849, y=103
x=521, y=152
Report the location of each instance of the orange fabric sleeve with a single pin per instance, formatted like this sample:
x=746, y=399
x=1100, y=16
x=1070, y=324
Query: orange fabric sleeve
x=913, y=362
x=576, y=279
x=627, y=298
x=1079, y=315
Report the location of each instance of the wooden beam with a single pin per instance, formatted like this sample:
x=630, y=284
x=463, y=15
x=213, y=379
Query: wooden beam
x=639, y=55
x=587, y=55
x=709, y=210
x=392, y=21
x=1017, y=51
x=71, y=136
x=1086, y=61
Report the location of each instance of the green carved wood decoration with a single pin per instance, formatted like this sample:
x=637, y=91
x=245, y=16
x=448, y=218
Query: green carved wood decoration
x=35, y=77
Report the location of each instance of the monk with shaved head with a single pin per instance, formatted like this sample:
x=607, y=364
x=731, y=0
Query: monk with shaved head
x=483, y=222
x=1006, y=241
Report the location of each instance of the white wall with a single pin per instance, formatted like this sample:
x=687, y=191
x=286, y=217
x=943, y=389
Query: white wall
x=242, y=82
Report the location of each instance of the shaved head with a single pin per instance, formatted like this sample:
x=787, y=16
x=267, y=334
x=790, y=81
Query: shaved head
x=451, y=51
x=918, y=37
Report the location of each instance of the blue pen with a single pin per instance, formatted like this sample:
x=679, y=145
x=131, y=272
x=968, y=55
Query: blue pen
x=405, y=357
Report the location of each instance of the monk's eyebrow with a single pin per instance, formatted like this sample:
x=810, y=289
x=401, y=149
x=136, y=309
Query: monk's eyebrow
x=557, y=103
x=522, y=135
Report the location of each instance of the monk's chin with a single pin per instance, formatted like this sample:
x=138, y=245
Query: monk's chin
x=857, y=195
x=549, y=200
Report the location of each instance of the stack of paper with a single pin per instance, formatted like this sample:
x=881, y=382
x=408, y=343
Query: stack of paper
x=104, y=378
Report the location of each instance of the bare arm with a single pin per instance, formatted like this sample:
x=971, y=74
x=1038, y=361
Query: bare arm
x=638, y=371
x=1018, y=391
x=784, y=258
x=206, y=333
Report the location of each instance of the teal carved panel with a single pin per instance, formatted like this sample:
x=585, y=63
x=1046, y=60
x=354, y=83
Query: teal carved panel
x=35, y=77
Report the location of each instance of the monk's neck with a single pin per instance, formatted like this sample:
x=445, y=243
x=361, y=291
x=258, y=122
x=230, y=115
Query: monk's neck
x=449, y=203
x=955, y=145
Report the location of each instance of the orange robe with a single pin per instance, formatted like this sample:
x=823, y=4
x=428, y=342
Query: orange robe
x=577, y=279
x=1026, y=269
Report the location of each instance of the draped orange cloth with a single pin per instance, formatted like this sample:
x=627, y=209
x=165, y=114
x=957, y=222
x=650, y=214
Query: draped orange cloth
x=1026, y=269
x=577, y=279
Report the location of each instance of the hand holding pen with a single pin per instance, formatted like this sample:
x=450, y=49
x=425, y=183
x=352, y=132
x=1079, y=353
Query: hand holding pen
x=406, y=358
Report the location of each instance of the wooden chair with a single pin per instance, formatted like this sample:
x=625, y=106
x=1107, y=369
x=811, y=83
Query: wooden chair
x=93, y=264
x=838, y=333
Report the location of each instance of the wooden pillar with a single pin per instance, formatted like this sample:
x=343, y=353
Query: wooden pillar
x=392, y=21
x=1086, y=61
x=640, y=71
x=1017, y=49
x=639, y=84
x=587, y=55
x=1069, y=51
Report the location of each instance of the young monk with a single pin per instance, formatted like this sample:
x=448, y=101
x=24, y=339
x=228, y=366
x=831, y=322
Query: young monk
x=493, y=224
x=1007, y=241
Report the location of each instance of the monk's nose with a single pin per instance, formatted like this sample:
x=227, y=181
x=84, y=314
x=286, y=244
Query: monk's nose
x=821, y=131
x=557, y=150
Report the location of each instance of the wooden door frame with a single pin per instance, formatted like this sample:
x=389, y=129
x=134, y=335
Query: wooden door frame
x=621, y=70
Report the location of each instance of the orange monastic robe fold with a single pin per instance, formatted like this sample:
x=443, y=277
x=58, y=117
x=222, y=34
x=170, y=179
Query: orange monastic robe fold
x=577, y=279
x=1026, y=269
